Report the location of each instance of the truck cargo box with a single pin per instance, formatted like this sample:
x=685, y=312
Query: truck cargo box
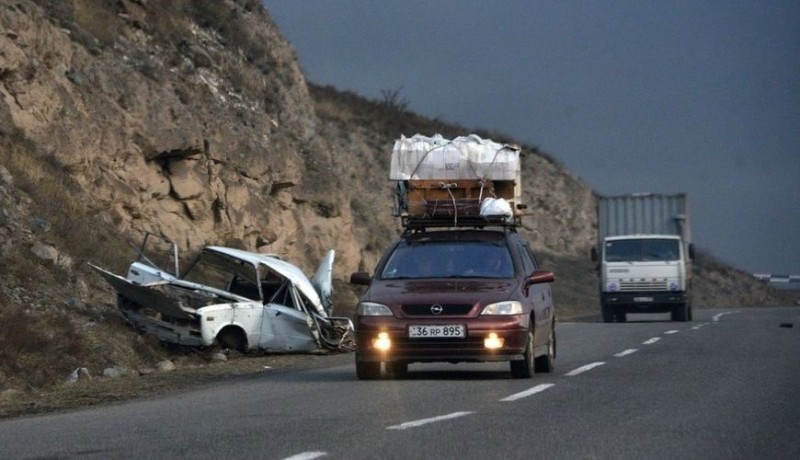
x=439, y=178
x=643, y=213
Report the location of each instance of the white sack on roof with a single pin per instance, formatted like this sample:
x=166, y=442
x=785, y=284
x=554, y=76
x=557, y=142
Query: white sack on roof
x=465, y=157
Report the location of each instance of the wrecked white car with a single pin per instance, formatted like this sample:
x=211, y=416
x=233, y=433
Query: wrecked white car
x=236, y=299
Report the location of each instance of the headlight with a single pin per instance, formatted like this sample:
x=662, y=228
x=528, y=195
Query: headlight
x=373, y=309
x=511, y=307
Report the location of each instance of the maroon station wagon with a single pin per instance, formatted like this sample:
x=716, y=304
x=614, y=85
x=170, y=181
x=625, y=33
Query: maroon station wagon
x=456, y=295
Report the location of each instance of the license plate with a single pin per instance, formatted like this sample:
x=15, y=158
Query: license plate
x=438, y=331
x=642, y=299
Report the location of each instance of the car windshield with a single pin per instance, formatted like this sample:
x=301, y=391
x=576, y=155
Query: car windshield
x=642, y=250
x=449, y=259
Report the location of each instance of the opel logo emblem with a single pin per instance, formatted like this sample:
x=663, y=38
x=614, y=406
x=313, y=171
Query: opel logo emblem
x=436, y=309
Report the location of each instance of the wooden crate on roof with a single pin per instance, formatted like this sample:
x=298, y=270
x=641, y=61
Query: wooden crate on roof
x=429, y=198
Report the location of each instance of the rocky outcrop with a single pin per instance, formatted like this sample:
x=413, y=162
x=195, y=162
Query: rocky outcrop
x=175, y=133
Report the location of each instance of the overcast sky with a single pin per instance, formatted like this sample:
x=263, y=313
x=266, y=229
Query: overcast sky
x=701, y=97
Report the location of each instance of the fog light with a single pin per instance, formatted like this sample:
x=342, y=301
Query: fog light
x=383, y=342
x=493, y=342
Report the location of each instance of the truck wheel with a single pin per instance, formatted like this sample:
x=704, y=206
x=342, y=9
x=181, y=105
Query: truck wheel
x=523, y=368
x=546, y=363
x=608, y=314
x=367, y=370
x=680, y=313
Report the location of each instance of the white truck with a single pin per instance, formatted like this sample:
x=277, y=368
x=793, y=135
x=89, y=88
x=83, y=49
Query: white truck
x=644, y=253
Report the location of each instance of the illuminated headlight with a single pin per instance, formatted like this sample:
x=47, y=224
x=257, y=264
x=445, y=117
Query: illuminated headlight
x=373, y=309
x=511, y=307
x=492, y=341
x=382, y=342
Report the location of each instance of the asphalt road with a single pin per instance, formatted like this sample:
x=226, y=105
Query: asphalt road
x=725, y=386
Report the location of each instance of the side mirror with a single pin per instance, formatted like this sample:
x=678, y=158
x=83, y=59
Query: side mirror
x=360, y=278
x=541, y=276
x=595, y=256
x=691, y=250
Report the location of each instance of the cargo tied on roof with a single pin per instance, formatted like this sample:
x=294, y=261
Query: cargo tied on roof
x=466, y=179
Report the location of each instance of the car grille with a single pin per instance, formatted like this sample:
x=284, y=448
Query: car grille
x=467, y=344
x=654, y=285
x=447, y=310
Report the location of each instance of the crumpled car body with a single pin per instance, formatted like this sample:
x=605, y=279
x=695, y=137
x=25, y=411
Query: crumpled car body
x=235, y=299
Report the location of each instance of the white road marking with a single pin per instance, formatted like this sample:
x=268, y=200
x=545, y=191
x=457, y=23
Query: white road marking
x=627, y=352
x=651, y=341
x=537, y=389
x=696, y=328
x=720, y=315
x=674, y=331
x=583, y=369
x=307, y=456
x=425, y=421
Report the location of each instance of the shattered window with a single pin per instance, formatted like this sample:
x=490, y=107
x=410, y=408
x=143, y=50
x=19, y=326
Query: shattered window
x=220, y=272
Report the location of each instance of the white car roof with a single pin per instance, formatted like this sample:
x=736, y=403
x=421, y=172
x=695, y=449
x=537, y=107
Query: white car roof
x=285, y=269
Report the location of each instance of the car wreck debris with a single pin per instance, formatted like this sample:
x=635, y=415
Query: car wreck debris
x=235, y=299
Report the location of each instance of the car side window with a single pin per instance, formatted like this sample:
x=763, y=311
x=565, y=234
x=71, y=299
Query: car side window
x=529, y=264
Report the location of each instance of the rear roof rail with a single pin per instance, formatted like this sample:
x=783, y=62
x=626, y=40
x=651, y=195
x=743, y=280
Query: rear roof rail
x=471, y=222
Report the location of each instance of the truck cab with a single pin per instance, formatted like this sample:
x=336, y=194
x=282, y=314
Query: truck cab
x=645, y=274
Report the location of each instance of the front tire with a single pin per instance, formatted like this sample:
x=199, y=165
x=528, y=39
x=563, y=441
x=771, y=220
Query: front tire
x=524, y=368
x=397, y=369
x=368, y=370
x=546, y=362
x=681, y=313
x=609, y=314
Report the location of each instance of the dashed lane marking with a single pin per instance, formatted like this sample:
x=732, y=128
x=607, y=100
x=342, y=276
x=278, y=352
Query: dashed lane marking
x=425, y=421
x=627, y=352
x=537, y=389
x=307, y=456
x=583, y=369
x=651, y=341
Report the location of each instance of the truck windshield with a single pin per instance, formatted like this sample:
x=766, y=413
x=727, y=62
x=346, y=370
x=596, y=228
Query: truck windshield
x=642, y=250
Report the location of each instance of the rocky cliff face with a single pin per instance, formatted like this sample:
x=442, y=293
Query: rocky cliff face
x=191, y=119
x=201, y=132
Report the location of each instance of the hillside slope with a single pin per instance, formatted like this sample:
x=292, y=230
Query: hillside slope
x=193, y=120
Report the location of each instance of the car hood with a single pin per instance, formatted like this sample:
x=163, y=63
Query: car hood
x=440, y=291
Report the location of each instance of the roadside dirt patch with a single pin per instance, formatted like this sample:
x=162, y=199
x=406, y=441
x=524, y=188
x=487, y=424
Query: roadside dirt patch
x=102, y=391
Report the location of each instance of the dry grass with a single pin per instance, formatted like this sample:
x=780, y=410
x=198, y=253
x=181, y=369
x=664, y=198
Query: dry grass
x=36, y=349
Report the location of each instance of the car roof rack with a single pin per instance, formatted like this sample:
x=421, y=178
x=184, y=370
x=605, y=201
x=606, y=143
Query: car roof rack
x=468, y=222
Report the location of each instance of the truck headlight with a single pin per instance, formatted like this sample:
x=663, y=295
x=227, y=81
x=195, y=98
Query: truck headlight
x=673, y=284
x=510, y=307
x=373, y=309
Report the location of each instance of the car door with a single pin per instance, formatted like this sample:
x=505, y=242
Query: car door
x=285, y=326
x=539, y=295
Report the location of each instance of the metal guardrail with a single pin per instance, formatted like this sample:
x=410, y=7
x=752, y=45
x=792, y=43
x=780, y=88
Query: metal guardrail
x=777, y=278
